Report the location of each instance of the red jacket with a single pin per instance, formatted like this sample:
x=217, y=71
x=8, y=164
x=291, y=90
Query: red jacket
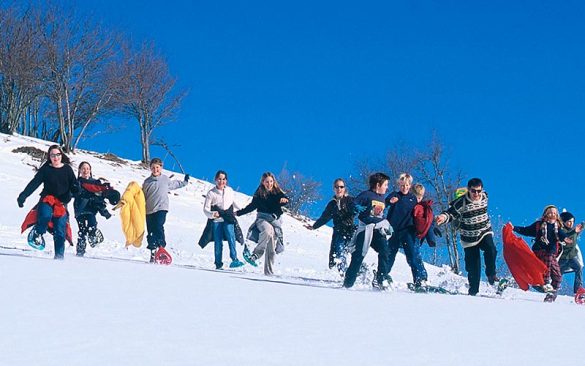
x=58, y=210
x=423, y=217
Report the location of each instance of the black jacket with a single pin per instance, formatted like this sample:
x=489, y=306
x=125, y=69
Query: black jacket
x=58, y=182
x=89, y=203
x=270, y=204
x=342, y=211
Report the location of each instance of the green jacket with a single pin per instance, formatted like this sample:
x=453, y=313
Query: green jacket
x=570, y=247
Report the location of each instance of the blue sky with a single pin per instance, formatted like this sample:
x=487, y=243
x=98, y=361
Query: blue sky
x=320, y=84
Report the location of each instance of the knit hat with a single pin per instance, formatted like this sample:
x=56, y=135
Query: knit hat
x=566, y=216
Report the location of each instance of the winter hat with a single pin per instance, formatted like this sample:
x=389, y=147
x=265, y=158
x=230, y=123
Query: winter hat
x=566, y=216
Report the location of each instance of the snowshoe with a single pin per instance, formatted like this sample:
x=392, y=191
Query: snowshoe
x=502, y=285
x=249, y=257
x=423, y=288
x=383, y=285
x=36, y=240
x=96, y=238
x=162, y=257
x=580, y=296
x=550, y=297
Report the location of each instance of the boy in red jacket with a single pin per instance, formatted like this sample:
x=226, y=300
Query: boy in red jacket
x=423, y=217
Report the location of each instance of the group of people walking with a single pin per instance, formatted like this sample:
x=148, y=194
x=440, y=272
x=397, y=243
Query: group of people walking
x=385, y=222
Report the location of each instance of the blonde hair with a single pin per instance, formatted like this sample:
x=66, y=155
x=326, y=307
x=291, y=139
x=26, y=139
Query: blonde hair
x=261, y=190
x=404, y=178
x=551, y=207
x=419, y=190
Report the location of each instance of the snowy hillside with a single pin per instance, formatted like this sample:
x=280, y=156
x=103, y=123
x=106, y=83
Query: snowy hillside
x=112, y=308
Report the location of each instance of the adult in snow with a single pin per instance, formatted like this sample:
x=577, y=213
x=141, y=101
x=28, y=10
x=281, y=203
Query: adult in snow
x=571, y=258
x=267, y=229
x=470, y=212
x=373, y=230
x=400, y=215
x=219, y=208
x=156, y=193
x=88, y=202
x=59, y=184
x=548, y=233
x=342, y=210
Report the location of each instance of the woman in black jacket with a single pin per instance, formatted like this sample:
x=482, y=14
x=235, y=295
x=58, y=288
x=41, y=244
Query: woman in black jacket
x=267, y=229
x=342, y=210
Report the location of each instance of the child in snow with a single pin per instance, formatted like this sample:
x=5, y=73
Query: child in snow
x=342, y=210
x=88, y=202
x=400, y=215
x=548, y=232
x=156, y=192
x=571, y=258
x=267, y=229
x=475, y=229
x=219, y=208
x=423, y=217
x=59, y=184
x=373, y=230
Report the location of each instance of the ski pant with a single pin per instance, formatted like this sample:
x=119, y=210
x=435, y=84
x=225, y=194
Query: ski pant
x=573, y=264
x=87, y=224
x=156, y=231
x=380, y=245
x=223, y=230
x=338, y=251
x=44, y=215
x=473, y=262
x=266, y=244
x=553, y=272
x=406, y=238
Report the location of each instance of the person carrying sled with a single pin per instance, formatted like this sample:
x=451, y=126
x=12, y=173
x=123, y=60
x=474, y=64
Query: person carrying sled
x=156, y=193
x=548, y=233
x=59, y=184
x=571, y=258
x=401, y=205
x=268, y=200
x=470, y=211
x=221, y=224
x=373, y=230
x=88, y=202
x=342, y=210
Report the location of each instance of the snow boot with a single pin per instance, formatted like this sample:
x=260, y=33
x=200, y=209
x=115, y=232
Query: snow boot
x=502, y=285
x=36, y=240
x=236, y=264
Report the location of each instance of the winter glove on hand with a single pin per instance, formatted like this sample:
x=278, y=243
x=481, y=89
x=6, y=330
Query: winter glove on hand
x=438, y=233
x=187, y=178
x=20, y=201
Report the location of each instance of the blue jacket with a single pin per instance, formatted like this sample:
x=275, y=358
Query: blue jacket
x=370, y=206
x=400, y=213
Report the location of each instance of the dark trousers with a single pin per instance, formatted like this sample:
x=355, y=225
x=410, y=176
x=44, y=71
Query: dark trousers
x=44, y=215
x=473, y=262
x=337, y=251
x=573, y=264
x=87, y=225
x=380, y=245
x=156, y=231
x=406, y=239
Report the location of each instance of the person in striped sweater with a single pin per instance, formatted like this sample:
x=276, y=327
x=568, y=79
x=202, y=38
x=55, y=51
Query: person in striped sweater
x=475, y=229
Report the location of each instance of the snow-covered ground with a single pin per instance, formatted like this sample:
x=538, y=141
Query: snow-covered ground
x=112, y=308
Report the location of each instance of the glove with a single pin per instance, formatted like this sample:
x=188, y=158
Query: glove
x=107, y=214
x=186, y=178
x=437, y=232
x=20, y=201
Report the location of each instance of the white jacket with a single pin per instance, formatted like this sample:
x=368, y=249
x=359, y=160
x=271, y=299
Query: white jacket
x=222, y=199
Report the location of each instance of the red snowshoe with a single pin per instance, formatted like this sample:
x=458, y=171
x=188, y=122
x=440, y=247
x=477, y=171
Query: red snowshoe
x=162, y=257
x=580, y=296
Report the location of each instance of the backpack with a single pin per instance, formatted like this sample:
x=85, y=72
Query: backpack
x=423, y=218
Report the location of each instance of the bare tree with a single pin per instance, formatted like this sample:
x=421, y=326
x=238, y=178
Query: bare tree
x=301, y=191
x=79, y=57
x=20, y=60
x=147, y=92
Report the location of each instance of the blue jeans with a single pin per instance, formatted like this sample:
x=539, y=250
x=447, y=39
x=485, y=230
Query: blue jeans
x=44, y=216
x=573, y=264
x=406, y=239
x=221, y=231
x=156, y=230
x=337, y=251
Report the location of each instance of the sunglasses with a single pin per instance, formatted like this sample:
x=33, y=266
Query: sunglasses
x=476, y=191
x=55, y=155
x=339, y=187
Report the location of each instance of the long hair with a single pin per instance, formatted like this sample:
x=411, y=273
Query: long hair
x=546, y=209
x=261, y=190
x=79, y=169
x=64, y=158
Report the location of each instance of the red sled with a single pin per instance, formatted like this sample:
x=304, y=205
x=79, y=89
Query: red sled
x=524, y=265
x=162, y=257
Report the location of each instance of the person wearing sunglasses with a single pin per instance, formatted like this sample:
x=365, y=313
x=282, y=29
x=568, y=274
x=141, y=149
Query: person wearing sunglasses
x=469, y=213
x=59, y=185
x=342, y=210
